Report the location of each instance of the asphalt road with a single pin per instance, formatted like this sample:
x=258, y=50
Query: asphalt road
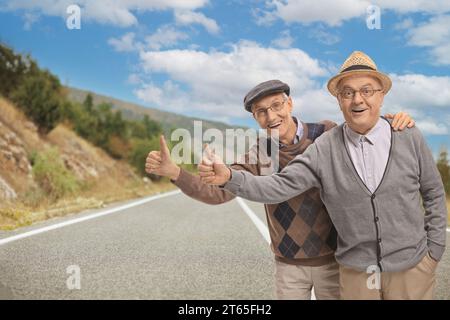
x=169, y=248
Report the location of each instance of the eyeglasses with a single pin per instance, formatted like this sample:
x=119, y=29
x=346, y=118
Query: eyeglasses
x=366, y=92
x=261, y=114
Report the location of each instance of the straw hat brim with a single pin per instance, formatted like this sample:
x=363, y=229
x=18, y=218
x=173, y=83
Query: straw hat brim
x=384, y=79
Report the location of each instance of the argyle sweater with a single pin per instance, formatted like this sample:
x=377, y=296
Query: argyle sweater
x=300, y=228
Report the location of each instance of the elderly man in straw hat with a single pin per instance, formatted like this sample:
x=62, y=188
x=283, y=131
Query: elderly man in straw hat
x=381, y=187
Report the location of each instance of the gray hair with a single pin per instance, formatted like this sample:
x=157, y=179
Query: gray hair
x=285, y=97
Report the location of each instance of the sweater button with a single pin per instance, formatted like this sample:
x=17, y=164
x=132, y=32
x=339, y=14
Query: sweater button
x=376, y=219
x=379, y=240
x=373, y=197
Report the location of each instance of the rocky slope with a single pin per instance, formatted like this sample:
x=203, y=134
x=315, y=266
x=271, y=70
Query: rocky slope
x=19, y=139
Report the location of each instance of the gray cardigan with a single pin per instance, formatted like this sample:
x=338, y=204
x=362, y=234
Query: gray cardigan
x=391, y=228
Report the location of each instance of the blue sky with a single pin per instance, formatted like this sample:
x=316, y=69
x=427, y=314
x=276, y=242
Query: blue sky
x=199, y=57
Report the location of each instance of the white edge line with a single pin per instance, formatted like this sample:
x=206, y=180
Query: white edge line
x=261, y=228
x=89, y=217
x=258, y=223
x=448, y=229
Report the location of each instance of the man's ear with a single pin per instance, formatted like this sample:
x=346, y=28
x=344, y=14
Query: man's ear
x=290, y=104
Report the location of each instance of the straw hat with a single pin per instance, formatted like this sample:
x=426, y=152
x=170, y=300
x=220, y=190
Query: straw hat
x=359, y=63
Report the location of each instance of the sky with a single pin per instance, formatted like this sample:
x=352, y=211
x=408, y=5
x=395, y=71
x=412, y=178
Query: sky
x=199, y=58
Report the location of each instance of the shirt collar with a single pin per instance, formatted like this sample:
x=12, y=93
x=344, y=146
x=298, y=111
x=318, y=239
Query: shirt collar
x=299, y=132
x=372, y=136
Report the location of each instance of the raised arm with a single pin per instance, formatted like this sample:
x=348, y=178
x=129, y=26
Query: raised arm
x=191, y=186
x=159, y=162
x=297, y=177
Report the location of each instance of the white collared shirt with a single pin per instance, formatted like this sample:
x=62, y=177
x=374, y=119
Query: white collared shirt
x=370, y=152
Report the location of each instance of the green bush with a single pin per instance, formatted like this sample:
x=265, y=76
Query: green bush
x=39, y=96
x=13, y=68
x=52, y=176
x=138, y=155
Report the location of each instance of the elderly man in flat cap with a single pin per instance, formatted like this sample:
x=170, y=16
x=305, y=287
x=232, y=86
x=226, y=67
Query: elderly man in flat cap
x=303, y=238
x=381, y=187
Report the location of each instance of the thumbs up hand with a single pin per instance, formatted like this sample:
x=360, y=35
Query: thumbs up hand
x=160, y=163
x=212, y=170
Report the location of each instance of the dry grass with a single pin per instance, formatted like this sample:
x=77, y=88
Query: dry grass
x=15, y=215
x=18, y=122
x=9, y=114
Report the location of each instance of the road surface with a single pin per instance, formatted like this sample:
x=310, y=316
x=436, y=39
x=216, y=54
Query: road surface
x=168, y=247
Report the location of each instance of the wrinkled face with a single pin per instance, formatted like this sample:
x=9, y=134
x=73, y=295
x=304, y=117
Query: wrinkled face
x=271, y=118
x=360, y=99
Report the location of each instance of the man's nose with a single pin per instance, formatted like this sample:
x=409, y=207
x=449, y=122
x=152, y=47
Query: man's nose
x=357, y=98
x=270, y=114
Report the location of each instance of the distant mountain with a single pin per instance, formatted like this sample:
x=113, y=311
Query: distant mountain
x=133, y=111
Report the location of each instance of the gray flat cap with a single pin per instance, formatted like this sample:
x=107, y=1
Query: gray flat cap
x=263, y=90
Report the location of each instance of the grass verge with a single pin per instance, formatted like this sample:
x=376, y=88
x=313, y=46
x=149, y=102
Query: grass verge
x=14, y=215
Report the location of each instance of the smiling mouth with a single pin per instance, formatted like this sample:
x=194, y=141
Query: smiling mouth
x=275, y=125
x=358, y=110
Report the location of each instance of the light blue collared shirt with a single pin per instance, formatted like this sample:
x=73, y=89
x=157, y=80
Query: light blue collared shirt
x=370, y=152
x=299, y=133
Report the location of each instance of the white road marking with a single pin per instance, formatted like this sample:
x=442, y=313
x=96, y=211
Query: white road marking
x=448, y=229
x=258, y=223
x=88, y=217
x=261, y=227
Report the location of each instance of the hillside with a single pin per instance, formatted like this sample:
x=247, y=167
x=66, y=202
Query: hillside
x=100, y=178
x=135, y=112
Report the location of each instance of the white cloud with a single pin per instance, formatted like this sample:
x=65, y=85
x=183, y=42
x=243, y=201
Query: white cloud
x=417, y=91
x=190, y=17
x=434, y=34
x=425, y=98
x=405, y=24
x=410, y=6
x=310, y=11
x=334, y=13
x=150, y=93
x=29, y=19
x=114, y=12
x=441, y=53
x=125, y=44
x=284, y=41
x=169, y=96
x=431, y=127
x=263, y=17
x=316, y=105
x=134, y=79
x=323, y=36
x=215, y=82
x=164, y=37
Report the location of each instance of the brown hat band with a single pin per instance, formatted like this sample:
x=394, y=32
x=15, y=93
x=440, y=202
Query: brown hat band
x=357, y=67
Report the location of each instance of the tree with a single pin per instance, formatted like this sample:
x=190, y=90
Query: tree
x=444, y=169
x=152, y=127
x=39, y=96
x=88, y=103
x=12, y=69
